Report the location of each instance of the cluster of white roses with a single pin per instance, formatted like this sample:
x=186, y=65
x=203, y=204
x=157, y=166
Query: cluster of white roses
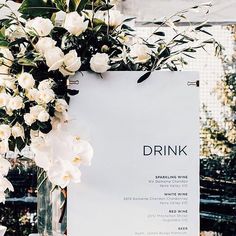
x=76, y=24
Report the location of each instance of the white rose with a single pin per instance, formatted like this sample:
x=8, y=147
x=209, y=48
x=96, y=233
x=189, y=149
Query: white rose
x=35, y=110
x=29, y=119
x=4, y=99
x=45, y=44
x=71, y=63
x=99, y=62
x=5, y=165
x=46, y=96
x=61, y=105
x=43, y=116
x=4, y=148
x=54, y=58
x=75, y=24
x=26, y=80
x=40, y=26
x=14, y=32
x=15, y=103
x=141, y=53
x=115, y=18
x=45, y=84
x=17, y=131
x=5, y=132
x=6, y=60
x=32, y=94
x=10, y=83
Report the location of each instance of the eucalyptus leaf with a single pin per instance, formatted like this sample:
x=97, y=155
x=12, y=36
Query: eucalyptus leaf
x=144, y=77
x=159, y=33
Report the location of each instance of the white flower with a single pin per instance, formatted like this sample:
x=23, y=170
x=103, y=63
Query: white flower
x=46, y=96
x=43, y=116
x=42, y=152
x=14, y=32
x=4, y=148
x=5, y=165
x=2, y=197
x=83, y=152
x=32, y=94
x=5, y=184
x=45, y=44
x=75, y=24
x=62, y=172
x=5, y=132
x=59, y=118
x=40, y=26
x=6, y=60
x=17, y=130
x=10, y=83
x=4, y=99
x=141, y=53
x=15, y=103
x=35, y=110
x=61, y=105
x=71, y=63
x=26, y=80
x=45, y=84
x=54, y=58
x=115, y=18
x=29, y=119
x=99, y=62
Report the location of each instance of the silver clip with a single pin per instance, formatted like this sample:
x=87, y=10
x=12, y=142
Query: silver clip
x=72, y=82
x=193, y=83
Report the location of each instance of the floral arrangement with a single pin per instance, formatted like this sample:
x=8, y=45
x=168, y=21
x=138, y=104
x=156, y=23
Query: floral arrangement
x=39, y=53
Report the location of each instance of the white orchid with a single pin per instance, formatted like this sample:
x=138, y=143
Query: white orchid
x=62, y=172
x=83, y=152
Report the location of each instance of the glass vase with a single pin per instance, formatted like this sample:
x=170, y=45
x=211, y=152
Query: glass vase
x=51, y=210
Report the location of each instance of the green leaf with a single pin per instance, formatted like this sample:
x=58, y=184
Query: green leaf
x=11, y=144
x=104, y=7
x=26, y=62
x=129, y=19
x=72, y=92
x=45, y=127
x=3, y=43
x=144, y=77
x=159, y=33
x=20, y=144
x=82, y=5
x=61, y=4
x=126, y=27
x=34, y=8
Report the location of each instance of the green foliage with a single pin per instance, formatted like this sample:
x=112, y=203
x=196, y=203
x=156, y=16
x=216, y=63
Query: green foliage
x=34, y=8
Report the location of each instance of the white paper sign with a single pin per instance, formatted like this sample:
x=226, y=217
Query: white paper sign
x=144, y=178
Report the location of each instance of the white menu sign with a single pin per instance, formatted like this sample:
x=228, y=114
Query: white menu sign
x=144, y=178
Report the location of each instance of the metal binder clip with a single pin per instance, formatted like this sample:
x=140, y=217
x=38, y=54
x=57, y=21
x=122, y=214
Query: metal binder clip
x=193, y=83
x=73, y=82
